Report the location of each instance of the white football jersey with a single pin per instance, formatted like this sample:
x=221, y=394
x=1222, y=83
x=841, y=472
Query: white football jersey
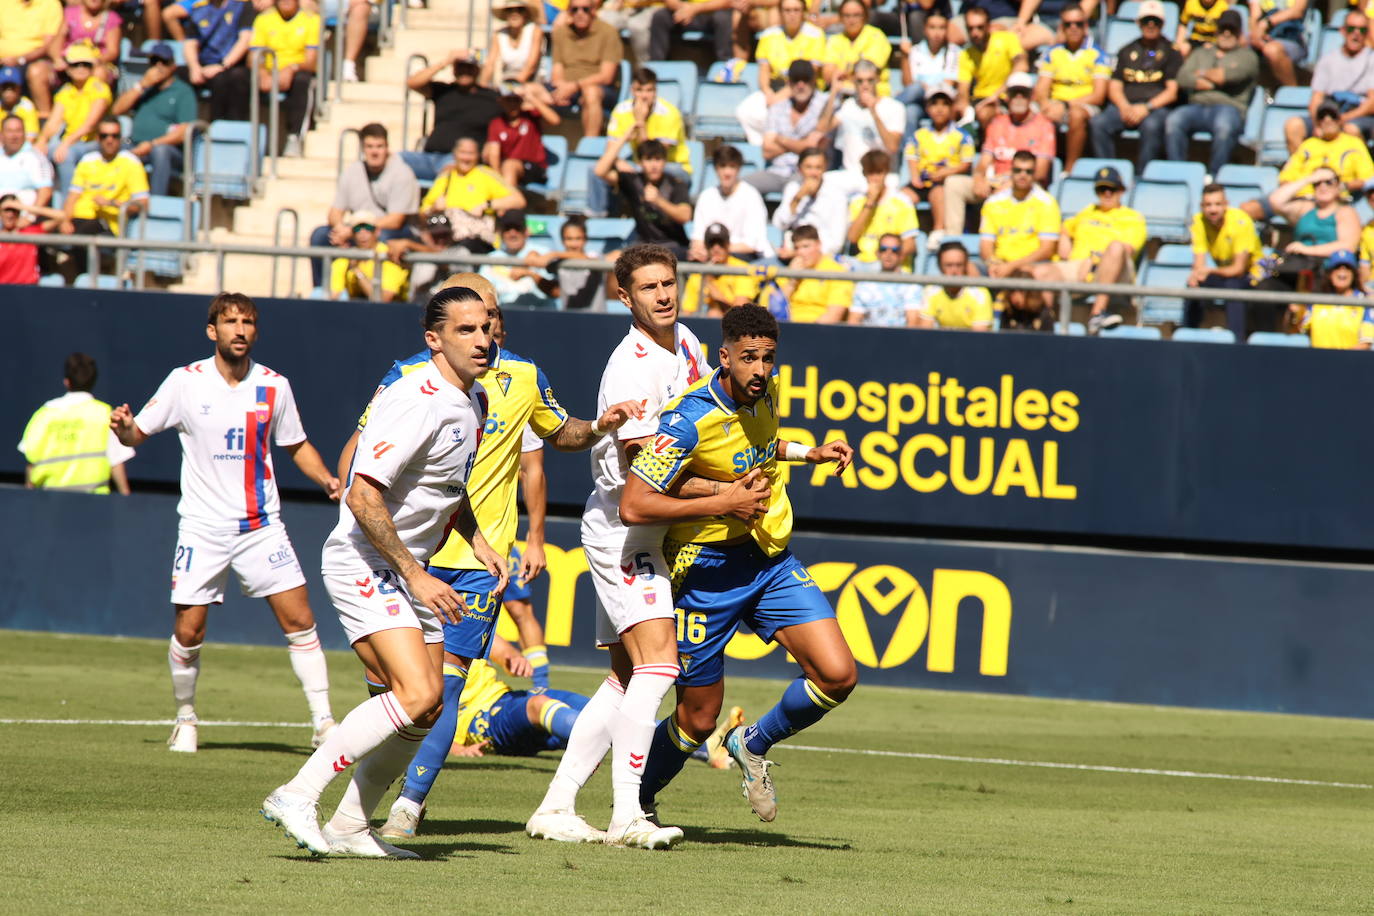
x=420, y=443
x=227, y=482
x=638, y=370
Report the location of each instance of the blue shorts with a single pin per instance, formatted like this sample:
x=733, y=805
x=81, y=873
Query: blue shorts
x=508, y=727
x=471, y=637
x=716, y=589
x=517, y=590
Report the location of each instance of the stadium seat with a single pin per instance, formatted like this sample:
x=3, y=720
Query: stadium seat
x=545, y=227
x=1254, y=120
x=734, y=71
x=1175, y=256
x=1288, y=102
x=102, y=281
x=1076, y=329
x=1131, y=332
x=715, y=111
x=670, y=91
x=1273, y=339
x=1129, y=10
x=164, y=220
x=1247, y=182
x=224, y=163
x=557, y=148
x=590, y=146
x=1167, y=206
x=1074, y=194
x=52, y=280
x=1193, y=174
x=1204, y=335
x=684, y=74
x=774, y=236
x=1163, y=309
x=610, y=232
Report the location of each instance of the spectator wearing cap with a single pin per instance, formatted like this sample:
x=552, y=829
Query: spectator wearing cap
x=657, y=199
x=1227, y=236
x=23, y=172
x=643, y=116
x=472, y=196
x=376, y=181
x=1218, y=80
x=461, y=109
x=13, y=102
x=93, y=23
x=868, y=121
x=515, y=141
x=1343, y=76
x=1276, y=31
x=816, y=301
x=966, y=308
x=814, y=198
x=586, y=64
x=937, y=153
x=1330, y=148
x=931, y=62
x=879, y=303
x=576, y=288
x=856, y=41
x=1073, y=82
x=516, y=48
x=76, y=110
x=716, y=295
x=735, y=205
x=1099, y=244
x=1197, y=24
x=1143, y=89
x=517, y=286
x=27, y=28
x=218, y=35
x=880, y=211
x=1019, y=129
x=163, y=107
x=351, y=277
x=794, y=124
x=985, y=65
x=1338, y=327
x=293, y=36
x=777, y=49
x=1019, y=225
x=18, y=260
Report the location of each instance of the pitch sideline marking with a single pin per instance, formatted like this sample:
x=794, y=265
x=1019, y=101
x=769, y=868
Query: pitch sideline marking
x=910, y=755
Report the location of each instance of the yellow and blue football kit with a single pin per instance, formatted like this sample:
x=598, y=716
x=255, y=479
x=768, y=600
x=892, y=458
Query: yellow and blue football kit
x=490, y=711
x=1346, y=155
x=1072, y=73
x=727, y=571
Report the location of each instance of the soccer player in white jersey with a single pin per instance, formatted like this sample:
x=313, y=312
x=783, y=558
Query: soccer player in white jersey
x=656, y=361
x=407, y=489
x=227, y=410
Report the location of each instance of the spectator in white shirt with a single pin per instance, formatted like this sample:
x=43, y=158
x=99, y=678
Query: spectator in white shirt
x=933, y=62
x=816, y=199
x=734, y=204
x=868, y=121
x=23, y=173
x=794, y=124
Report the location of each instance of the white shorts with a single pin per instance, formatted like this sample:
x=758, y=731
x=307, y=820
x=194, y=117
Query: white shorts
x=632, y=586
x=370, y=601
x=264, y=561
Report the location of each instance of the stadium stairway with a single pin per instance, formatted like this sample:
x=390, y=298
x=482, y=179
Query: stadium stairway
x=306, y=184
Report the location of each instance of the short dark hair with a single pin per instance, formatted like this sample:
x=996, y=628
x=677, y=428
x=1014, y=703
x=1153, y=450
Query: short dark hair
x=637, y=256
x=1023, y=155
x=809, y=152
x=436, y=309
x=79, y=371
x=875, y=161
x=727, y=155
x=652, y=149
x=644, y=77
x=951, y=245
x=231, y=302
x=971, y=10
x=374, y=130
x=748, y=321
x=576, y=221
x=805, y=233
x=1213, y=188
x=111, y=120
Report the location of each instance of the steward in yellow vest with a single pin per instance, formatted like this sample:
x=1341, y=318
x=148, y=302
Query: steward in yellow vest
x=67, y=442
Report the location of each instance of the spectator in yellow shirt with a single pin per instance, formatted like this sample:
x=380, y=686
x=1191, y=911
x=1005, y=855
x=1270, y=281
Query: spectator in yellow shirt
x=643, y=116
x=471, y=194
x=1329, y=148
x=856, y=41
x=13, y=102
x=1098, y=245
x=1020, y=224
x=880, y=211
x=1197, y=24
x=966, y=308
x=984, y=65
x=815, y=301
x=1227, y=235
x=715, y=295
x=105, y=179
x=352, y=277
x=27, y=28
x=293, y=35
x=77, y=109
x=1336, y=327
x=1073, y=82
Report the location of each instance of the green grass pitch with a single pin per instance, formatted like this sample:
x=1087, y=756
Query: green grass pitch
x=103, y=818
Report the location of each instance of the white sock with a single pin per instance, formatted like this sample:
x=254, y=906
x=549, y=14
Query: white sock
x=185, y=664
x=371, y=777
x=307, y=660
x=588, y=743
x=632, y=730
x=368, y=725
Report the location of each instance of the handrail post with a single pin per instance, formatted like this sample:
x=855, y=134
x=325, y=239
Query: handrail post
x=1065, y=311
x=338, y=53
x=339, y=158
x=219, y=268
x=188, y=176
x=254, y=108
x=405, y=97
x=92, y=264
x=276, y=243
x=274, y=112
x=140, y=275
x=255, y=57
x=122, y=254
x=376, y=275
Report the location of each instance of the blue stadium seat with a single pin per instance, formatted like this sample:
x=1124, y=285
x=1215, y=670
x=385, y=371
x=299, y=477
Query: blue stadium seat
x=1289, y=101
x=1246, y=182
x=1128, y=11
x=572, y=198
x=1193, y=174
x=610, y=232
x=1076, y=329
x=670, y=91
x=1174, y=256
x=774, y=236
x=1254, y=120
x=557, y=148
x=52, y=280
x=1131, y=332
x=224, y=165
x=1074, y=194
x=734, y=71
x=1168, y=208
x=684, y=74
x=103, y=281
x=1163, y=309
x=715, y=111
x=1204, y=335
x=1119, y=34
x=590, y=146
x=1293, y=96
x=164, y=220
x=1272, y=339
x=545, y=227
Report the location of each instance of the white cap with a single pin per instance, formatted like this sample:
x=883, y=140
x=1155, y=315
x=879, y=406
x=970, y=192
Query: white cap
x=1020, y=80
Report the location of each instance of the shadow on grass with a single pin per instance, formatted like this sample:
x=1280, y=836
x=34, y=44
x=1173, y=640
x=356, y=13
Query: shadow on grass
x=270, y=747
x=717, y=836
x=477, y=826
x=497, y=764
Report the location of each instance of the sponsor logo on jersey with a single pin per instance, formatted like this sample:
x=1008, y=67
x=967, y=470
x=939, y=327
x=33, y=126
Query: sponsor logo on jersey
x=279, y=558
x=204, y=409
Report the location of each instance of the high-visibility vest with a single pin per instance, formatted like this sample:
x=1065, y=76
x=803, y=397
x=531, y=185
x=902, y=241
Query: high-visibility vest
x=67, y=446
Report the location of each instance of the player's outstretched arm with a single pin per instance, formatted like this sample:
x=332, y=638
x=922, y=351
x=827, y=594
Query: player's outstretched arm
x=535, y=487
x=125, y=429
x=842, y=453
x=745, y=499
x=510, y=658
x=308, y=459
x=466, y=523
x=368, y=508
x=576, y=435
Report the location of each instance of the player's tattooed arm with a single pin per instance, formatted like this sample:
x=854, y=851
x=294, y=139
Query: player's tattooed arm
x=577, y=435
x=466, y=523
x=308, y=459
x=365, y=502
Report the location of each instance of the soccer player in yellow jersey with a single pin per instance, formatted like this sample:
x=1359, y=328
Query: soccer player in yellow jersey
x=727, y=571
x=1073, y=82
x=935, y=153
x=1227, y=234
x=1020, y=224
x=1098, y=245
x=1329, y=147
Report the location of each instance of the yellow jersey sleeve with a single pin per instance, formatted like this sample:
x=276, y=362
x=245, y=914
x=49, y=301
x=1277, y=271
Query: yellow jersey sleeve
x=1367, y=244
x=1199, y=234
x=966, y=66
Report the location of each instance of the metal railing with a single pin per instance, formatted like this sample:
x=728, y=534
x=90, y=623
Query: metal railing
x=339, y=158
x=188, y=174
x=255, y=56
x=276, y=243
x=221, y=251
x=405, y=103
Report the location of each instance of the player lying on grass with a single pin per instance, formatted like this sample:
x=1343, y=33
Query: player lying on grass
x=726, y=571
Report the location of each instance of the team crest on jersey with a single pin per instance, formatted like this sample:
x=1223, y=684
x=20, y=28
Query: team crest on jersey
x=503, y=379
x=650, y=594
x=684, y=661
x=263, y=411
x=393, y=608
x=662, y=443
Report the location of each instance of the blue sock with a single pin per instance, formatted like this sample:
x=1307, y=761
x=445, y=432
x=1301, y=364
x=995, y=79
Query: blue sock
x=802, y=705
x=373, y=688
x=429, y=759
x=667, y=753
x=539, y=659
x=557, y=719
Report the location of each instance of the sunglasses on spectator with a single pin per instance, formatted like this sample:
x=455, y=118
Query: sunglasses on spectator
x=1022, y=171
x=80, y=63
x=1355, y=29
x=361, y=226
x=1321, y=181
x=579, y=9
x=892, y=248
x=110, y=136
x=1152, y=20
x=1074, y=23
x=1107, y=189
x=15, y=210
